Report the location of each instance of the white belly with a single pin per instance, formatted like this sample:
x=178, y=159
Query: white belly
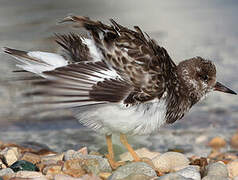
x=113, y=118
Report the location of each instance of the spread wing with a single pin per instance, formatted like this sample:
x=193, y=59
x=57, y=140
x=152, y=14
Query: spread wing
x=135, y=56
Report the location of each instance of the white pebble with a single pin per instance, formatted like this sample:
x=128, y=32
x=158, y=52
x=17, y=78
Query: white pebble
x=170, y=161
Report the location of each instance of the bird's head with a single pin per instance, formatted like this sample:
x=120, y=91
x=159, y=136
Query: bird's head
x=198, y=77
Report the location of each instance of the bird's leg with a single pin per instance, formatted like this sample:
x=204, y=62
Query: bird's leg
x=110, y=155
x=124, y=141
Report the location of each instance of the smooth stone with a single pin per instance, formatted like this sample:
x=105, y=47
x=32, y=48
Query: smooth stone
x=135, y=176
x=173, y=176
x=29, y=174
x=104, y=165
x=23, y=166
x=233, y=168
x=215, y=177
x=142, y=153
x=191, y=172
x=30, y=157
x=133, y=168
x=234, y=141
x=10, y=155
x=217, y=143
x=170, y=161
x=217, y=169
x=5, y=171
x=91, y=166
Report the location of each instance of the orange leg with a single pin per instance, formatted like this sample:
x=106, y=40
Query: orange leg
x=124, y=141
x=110, y=155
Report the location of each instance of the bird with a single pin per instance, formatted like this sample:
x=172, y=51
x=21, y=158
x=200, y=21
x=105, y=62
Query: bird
x=117, y=80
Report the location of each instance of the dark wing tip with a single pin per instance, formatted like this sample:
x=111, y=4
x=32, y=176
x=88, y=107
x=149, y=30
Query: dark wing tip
x=13, y=51
x=7, y=50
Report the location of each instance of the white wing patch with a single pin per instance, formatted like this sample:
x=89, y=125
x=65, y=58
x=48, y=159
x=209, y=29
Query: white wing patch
x=39, y=62
x=94, y=52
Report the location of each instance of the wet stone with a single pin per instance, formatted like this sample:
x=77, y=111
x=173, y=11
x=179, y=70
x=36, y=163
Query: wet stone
x=23, y=166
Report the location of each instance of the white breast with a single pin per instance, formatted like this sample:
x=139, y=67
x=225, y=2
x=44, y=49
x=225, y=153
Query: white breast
x=139, y=119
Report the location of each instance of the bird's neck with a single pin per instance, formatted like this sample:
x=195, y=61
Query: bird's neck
x=179, y=101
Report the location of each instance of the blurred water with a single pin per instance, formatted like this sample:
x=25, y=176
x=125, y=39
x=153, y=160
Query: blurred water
x=185, y=28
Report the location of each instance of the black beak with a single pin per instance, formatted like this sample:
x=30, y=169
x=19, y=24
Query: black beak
x=222, y=88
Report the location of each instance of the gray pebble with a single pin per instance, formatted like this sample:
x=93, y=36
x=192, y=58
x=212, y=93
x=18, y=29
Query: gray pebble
x=133, y=168
x=103, y=162
x=173, y=176
x=6, y=171
x=217, y=169
x=191, y=172
x=215, y=177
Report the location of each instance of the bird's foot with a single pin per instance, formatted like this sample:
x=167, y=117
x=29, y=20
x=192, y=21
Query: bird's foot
x=114, y=164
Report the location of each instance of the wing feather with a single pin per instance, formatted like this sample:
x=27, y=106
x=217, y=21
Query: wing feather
x=136, y=57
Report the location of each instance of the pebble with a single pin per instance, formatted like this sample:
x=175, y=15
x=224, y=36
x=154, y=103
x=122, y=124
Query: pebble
x=215, y=177
x=103, y=162
x=170, y=161
x=10, y=155
x=5, y=171
x=217, y=169
x=217, y=143
x=83, y=151
x=142, y=153
x=53, y=158
x=191, y=172
x=52, y=169
x=23, y=166
x=233, y=168
x=136, y=176
x=73, y=168
x=173, y=176
x=30, y=157
x=131, y=168
x=2, y=165
x=29, y=174
x=234, y=141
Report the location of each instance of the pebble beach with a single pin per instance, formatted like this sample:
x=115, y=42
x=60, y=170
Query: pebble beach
x=38, y=162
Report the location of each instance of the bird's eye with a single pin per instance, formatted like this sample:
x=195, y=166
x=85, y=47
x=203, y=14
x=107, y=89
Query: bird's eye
x=204, y=77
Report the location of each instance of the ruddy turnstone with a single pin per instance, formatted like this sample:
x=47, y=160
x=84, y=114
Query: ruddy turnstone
x=118, y=80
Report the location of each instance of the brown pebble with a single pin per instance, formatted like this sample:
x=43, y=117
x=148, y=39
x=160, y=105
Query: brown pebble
x=217, y=143
x=52, y=169
x=234, y=141
x=33, y=158
x=73, y=168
